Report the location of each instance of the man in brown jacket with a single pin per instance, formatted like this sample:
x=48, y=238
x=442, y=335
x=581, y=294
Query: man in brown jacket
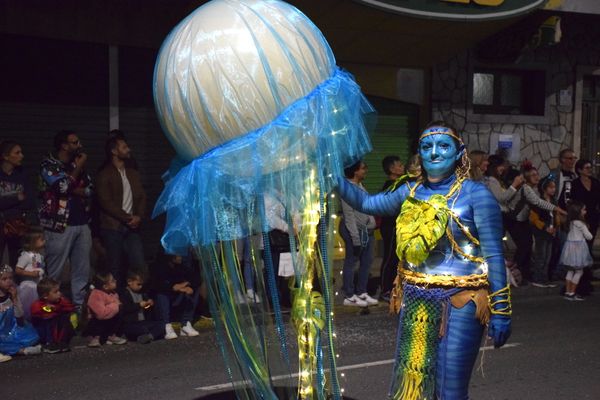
x=122, y=206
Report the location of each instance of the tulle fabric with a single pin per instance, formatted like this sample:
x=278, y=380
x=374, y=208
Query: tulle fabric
x=208, y=200
x=576, y=255
x=248, y=93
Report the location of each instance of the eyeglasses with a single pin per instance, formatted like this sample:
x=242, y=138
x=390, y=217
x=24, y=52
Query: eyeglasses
x=75, y=142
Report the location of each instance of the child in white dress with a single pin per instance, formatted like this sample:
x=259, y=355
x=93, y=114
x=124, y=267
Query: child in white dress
x=30, y=268
x=575, y=253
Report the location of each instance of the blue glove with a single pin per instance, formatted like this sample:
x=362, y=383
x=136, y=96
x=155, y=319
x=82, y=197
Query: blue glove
x=499, y=329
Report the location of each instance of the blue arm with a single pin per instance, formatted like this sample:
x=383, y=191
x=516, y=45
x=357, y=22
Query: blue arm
x=488, y=220
x=384, y=204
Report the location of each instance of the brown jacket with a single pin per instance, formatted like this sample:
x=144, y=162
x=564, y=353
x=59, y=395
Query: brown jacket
x=109, y=189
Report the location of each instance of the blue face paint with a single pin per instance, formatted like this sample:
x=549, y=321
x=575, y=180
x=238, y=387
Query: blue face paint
x=439, y=154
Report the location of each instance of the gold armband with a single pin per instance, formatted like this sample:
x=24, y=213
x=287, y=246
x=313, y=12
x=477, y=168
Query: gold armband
x=504, y=304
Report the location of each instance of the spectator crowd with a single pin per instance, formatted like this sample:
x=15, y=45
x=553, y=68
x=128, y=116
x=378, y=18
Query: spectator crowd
x=552, y=220
x=49, y=230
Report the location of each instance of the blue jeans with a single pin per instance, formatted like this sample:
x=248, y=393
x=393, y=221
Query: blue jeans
x=365, y=258
x=73, y=244
x=119, y=242
x=165, y=302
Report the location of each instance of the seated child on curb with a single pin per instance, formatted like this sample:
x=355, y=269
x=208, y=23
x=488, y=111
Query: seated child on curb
x=30, y=267
x=135, y=311
x=51, y=317
x=103, y=306
x=16, y=336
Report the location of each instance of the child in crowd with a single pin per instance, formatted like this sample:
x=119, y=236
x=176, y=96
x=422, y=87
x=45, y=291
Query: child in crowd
x=103, y=306
x=51, y=317
x=30, y=268
x=544, y=225
x=575, y=253
x=175, y=287
x=135, y=311
x=16, y=336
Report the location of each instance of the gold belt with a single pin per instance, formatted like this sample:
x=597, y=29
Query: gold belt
x=473, y=281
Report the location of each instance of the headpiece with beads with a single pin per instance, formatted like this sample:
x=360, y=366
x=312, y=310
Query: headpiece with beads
x=5, y=269
x=440, y=130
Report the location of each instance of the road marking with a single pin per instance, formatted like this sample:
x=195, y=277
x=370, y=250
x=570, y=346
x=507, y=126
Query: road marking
x=344, y=368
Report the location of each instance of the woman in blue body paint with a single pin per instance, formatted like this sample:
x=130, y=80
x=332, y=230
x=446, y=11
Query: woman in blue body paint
x=452, y=269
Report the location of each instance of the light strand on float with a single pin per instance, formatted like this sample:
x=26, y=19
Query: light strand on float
x=304, y=311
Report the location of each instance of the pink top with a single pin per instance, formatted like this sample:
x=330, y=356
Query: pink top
x=103, y=305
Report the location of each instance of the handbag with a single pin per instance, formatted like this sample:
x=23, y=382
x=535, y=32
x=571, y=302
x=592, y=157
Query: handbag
x=15, y=227
x=279, y=241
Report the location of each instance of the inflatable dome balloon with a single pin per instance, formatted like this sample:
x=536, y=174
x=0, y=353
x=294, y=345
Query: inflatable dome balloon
x=263, y=122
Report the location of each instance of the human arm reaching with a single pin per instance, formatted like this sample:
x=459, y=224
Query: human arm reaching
x=384, y=204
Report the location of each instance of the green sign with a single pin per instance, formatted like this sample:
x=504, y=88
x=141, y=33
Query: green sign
x=465, y=10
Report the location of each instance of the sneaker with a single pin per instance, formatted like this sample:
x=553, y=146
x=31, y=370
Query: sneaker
x=94, y=342
x=240, y=298
x=370, y=301
x=551, y=285
x=385, y=297
x=252, y=296
x=52, y=348
x=355, y=301
x=114, y=339
x=578, y=298
x=64, y=347
x=145, y=339
x=188, y=330
x=569, y=297
x=4, y=358
x=170, y=332
x=540, y=285
x=32, y=350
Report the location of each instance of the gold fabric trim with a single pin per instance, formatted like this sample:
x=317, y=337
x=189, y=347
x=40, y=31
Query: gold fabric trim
x=473, y=281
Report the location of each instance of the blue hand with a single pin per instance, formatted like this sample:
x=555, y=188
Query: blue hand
x=499, y=329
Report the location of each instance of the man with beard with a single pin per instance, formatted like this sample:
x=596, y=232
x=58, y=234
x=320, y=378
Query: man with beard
x=122, y=205
x=65, y=212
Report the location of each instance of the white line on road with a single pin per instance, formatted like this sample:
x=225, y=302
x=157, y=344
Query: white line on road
x=344, y=368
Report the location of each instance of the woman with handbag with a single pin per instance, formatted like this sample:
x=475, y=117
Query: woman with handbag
x=16, y=198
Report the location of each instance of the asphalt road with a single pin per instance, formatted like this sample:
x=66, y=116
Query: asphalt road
x=554, y=353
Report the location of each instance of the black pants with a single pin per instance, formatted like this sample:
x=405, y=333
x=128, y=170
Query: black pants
x=54, y=330
x=12, y=244
x=281, y=282
x=523, y=238
x=134, y=329
x=389, y=265
x=104, y=327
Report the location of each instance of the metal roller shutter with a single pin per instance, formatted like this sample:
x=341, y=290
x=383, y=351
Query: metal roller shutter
x=394, y=135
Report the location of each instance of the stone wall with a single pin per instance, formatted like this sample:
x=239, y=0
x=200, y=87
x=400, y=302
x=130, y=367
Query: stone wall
x=541, y=138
